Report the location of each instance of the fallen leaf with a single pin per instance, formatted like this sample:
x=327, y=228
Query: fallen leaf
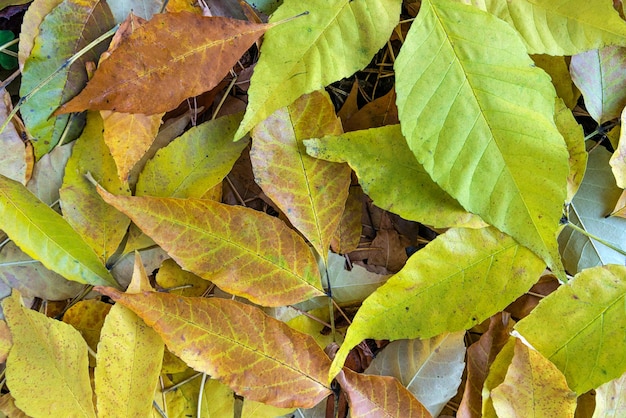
x=14, y=162
x=575, y=139
x=87, y=317
x=495, y=376
x=379, y=112
x=558, y=69
x=611, y=399
x=48, y=174
x=223, y=337
x=348, y=234
x=618, y=159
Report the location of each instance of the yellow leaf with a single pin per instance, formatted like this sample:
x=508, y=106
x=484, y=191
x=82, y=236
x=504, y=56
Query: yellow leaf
x=47, y=368
x=87, y=316
x=533, y=387
x=618, y=160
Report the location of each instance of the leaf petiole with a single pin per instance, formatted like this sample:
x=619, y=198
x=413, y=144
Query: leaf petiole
x=596, y=238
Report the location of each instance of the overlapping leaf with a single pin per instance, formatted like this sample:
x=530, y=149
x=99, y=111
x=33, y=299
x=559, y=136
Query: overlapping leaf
x=193, y=163
x=533, y=387
x=618, y=159
x=149, y=63
x=315, y=50
x=245, y=252
x=587, y=327
x=575, y=139
x=101, y=226
x=496, y=375
x=47, y=368
x=469, y=110
x=15, y=163
x=64, y=31
x=43, y=234
x=561, y=27
x=611, y=399
x=598, y=74
x=589, y=209
x=379, y=396
x=379, y=168
x=310, y=192
x=430, y=369
x=458, y=280
x=259, y=357
x=558, y=69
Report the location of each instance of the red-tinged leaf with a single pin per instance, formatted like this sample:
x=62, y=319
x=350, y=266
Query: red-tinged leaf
x=258, y=356
x=379, y=396
x=244, y=252
x=150, y=71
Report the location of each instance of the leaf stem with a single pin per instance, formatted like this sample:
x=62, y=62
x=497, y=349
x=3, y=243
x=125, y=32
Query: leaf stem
x=56, y=72
x=596, y=238
x=200, y=395
x=8, y=44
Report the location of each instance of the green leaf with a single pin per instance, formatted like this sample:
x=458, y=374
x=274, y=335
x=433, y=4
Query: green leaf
x=458, y=280
x=66, y=30
x=581, y=327
x=315, y=50
x=589, y=209
x=193, y=163
x=101, y=226
x=47, y=368
x=44, y=235
x=7, y=61
x=310, y=192
x=560, y=27
x=479, y=117
x=598, y=74
x=392, y=177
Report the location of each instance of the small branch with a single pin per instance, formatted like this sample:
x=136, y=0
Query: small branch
x=596, y=238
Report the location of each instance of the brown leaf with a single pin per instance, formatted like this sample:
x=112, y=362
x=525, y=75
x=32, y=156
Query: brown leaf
x=150, y=71
x=348, y=234
x=258, y=356
x=379, y=112
x=379, y=396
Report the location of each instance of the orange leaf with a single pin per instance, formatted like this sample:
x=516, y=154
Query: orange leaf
x=244, y=252
x=258, y=356
x=170, y=58
x=379, y=396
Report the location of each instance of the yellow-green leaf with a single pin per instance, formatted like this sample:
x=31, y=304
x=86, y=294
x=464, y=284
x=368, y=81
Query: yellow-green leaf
x=244, y=252
x=457, y=281
x=469, y=109
x=392, y=177
x=533, y=387
x=193, y=163
x=44, y=235
x=575, y=139
x=259, y=357
x=618, y=159
x=560, y=27
x=101, y=226
x=129, y=358
x=252, y=409
x=581, y=327
x=311, y=193
x=47, y=369
x=315, y=50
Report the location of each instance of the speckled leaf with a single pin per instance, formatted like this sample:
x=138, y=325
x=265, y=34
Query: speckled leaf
x=259, y=357
x=101, y=226
x=310, y=192
x=379, y=396
x=194, y=162
x=315, y=50
x=244, y=252
x=43, y=234
x=129, y=358
x=64, y=31
x=598, y=74
x=87, y=317
x=469, y=109
x=581, y=327
x=47, y=369
x=533, y=387
x=392, y=177
x=458, y=280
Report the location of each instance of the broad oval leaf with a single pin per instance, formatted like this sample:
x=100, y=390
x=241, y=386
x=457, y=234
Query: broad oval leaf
x=47, y=368
x=143, y=75
x=379, y=396
x=458, y=280
x=315, y=50
x=533, y=387
x=589, y=209
x=430, y=369
x=258, y=356
x=467, y=112
x=561, y=27
x=44, y=235
x=392, y=177
x=310, y=192
x=64, y=31
x=244, y=252
x=194, y=162
x=581, y=327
